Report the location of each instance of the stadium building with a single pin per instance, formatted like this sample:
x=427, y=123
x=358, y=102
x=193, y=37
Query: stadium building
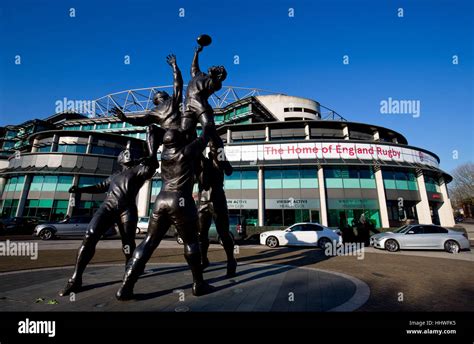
x=294, y=160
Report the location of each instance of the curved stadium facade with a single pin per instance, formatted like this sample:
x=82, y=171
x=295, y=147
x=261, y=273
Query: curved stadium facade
x=294, y=160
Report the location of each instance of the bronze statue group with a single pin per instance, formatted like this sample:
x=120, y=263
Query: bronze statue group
x=182, y=164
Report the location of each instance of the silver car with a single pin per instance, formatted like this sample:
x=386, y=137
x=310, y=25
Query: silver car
x=419, y=237
x=73, y=227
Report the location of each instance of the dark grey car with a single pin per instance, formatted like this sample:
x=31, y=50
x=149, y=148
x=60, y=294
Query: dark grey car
x=71, y=227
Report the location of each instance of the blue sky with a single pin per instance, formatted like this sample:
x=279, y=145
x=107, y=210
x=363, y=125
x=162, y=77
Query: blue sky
x=407, y=58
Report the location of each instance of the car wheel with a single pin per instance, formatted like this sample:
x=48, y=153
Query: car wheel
x=272, y=242
x=220, y=240
x=323, y=242
x=451, y=246
x=392, y=245
x=179, y=240
x=137, y=231
x=46, y=234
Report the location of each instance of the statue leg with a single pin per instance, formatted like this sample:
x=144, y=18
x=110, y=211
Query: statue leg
x=100, y=223
x=221, y=219
x=128, y=227
x=188, y=231
x=157, y=228
x=207, y=121
x=205, y=220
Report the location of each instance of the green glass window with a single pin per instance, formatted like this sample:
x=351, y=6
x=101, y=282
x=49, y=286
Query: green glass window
x=233, y=181
x=36, y=183
x=87, y=127
x=249, y=179
x=87, y=181
x=155, y=187
x=309, y=178
x=44, y=149
x=64, y=183
x=72, y=148
x=116, y=125
x=291, y=179
x=9, y=207
x=49, y=183
x=273, y=179
x=101, y=126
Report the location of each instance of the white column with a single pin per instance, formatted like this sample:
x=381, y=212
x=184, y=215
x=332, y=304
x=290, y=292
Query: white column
x=382, y=198
x=143, y=199
x=423, y=207
x=267, y=133
x=229, y=136
x=73, y=197
x=323, y=209
x=345, y=132
x=376, y=135
x=34, y=147
x=307, y=132
x=90, y=140
x=23, y=195
x=261, y=197
x=445, y=211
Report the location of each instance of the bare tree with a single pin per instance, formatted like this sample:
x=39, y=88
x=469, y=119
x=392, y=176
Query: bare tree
x=462, y=187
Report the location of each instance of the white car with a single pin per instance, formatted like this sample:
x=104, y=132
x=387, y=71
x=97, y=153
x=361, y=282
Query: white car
x=421, y=237
x=142, y=225
x=301, y=234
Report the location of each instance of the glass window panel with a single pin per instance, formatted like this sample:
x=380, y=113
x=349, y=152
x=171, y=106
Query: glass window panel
x=32, y=203
x=334, y=183
x=232, y=184
x=249, y=179
x=389, y=184
x=401, y=184
x=19, y=183
x=36, y=183
x=291, y=183
x=367, y=183
x=351, y=183
x=366, y=173
x=49, y=183
x=61, y=203
x=309, y=183
x=291, y=174
x=45, y=203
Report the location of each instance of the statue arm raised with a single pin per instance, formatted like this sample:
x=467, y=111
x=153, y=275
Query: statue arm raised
x=177, y=81
x=195, y=65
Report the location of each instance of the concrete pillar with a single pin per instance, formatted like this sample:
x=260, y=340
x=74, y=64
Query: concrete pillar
x=54, y=145
x=73, y=198
x=267, y=133
x=143, y=199
x=445, y=211
x=90, y=141
x=229, y=135
x=34, y=147
x=376, y=135
x=345, y=132
x=307, y=132
x=23, y=195
x=381, y=198
x=423, y=207
x=261, y=196
x=3, y=182
x=322, y=197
